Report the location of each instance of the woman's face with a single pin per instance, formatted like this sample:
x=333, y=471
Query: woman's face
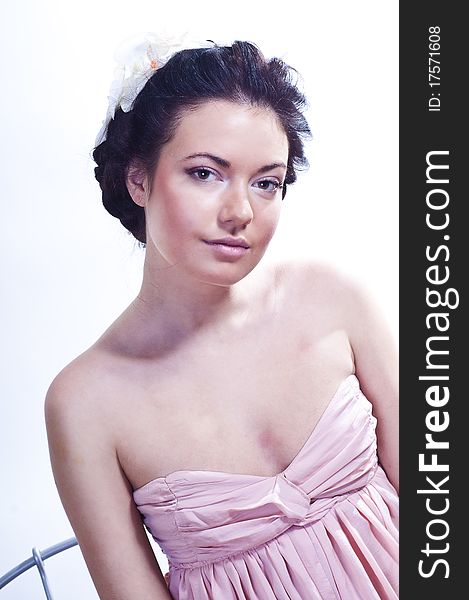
x=220, y=176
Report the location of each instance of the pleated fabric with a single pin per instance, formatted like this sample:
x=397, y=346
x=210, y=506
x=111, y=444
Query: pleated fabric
x=325, y=528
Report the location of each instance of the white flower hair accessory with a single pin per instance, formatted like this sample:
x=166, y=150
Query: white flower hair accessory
x=137, y=58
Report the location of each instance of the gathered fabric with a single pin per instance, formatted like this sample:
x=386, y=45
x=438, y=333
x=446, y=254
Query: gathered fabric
x=324, y=528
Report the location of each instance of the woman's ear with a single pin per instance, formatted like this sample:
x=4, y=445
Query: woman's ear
x=137, y=184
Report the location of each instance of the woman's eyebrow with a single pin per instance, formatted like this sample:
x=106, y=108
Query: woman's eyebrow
x=226, y=164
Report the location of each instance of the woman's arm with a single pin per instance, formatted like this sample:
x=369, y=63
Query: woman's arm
x=376, y=366
x=97, y=496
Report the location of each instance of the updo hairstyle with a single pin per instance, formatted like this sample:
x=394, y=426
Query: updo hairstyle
x=237, y=73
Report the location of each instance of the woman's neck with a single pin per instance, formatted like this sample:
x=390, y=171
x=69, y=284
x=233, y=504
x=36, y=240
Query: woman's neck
x=174, y=308
x=178, y=304
x=184, y=303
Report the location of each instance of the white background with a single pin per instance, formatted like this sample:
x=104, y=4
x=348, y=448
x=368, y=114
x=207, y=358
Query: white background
x=68, y=268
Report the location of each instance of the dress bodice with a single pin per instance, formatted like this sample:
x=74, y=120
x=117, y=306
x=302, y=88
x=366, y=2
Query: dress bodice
x=202, y=516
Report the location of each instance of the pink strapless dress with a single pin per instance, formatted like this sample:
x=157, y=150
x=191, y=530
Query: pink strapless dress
x=325, y=528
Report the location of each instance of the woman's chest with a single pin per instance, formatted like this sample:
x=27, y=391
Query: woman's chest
x=245, y=404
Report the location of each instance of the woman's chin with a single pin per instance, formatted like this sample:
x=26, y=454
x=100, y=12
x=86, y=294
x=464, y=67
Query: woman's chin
x=225, y=274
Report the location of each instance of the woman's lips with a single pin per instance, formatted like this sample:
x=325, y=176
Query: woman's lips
x=227, y=251
x=230, y=241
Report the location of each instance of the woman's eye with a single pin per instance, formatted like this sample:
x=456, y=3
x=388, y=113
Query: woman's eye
x=202, y=174
x=269, y=185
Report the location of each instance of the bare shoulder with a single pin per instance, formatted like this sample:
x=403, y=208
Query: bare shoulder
x=317, y=282
x=75, y=391
x=78, y=408
x=75, y=410
x=327, y=291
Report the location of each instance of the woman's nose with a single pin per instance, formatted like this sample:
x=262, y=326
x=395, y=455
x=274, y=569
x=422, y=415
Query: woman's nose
x=236, y=208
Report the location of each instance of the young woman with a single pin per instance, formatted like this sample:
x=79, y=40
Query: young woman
x=233, y=405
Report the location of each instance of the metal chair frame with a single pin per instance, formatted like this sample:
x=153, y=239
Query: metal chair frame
x=37, y=559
